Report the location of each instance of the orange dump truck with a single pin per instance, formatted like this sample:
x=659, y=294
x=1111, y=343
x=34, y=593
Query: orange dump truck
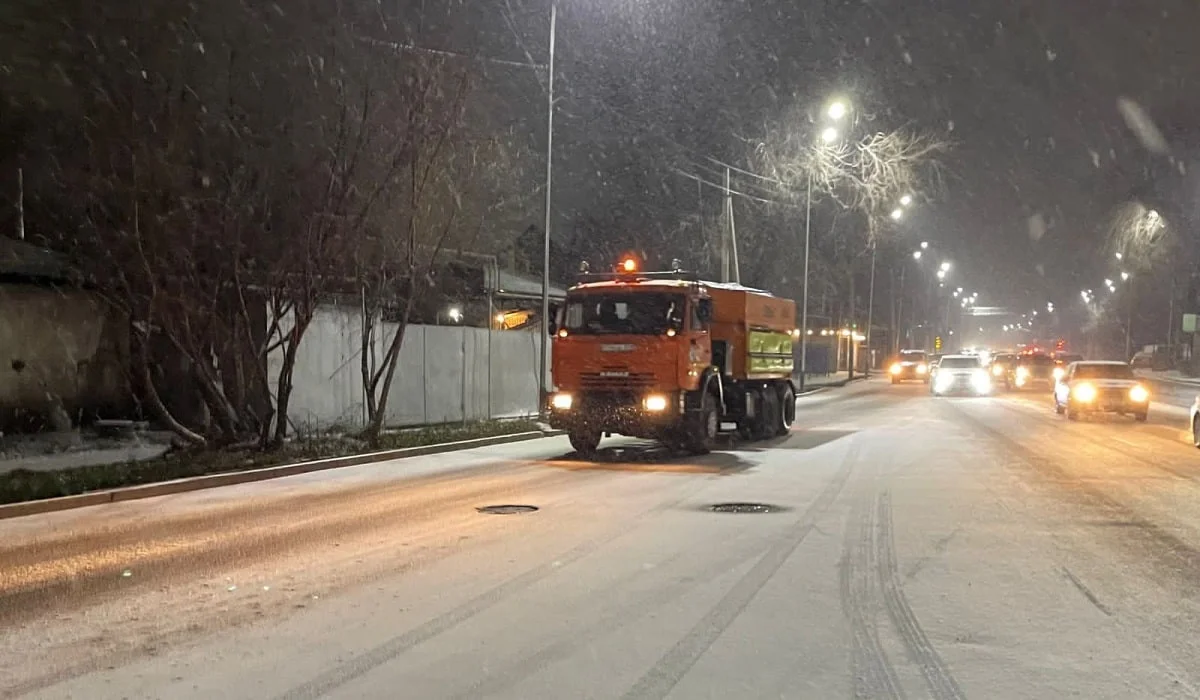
x=669, y=357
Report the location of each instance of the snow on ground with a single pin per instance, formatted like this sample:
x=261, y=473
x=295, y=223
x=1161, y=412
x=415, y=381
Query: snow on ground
x=919, y=547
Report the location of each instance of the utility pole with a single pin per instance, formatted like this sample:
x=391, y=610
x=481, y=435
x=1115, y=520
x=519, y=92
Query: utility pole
x=1129, y=323
x=804, y=294
x=737, y=273
x=870, y=310
x=545, y=348
x=21, y=204
x=900, y=335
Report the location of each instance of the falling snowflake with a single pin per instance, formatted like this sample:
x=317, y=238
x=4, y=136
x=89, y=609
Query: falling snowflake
x=1050, y=55
x=950, y=125
x=1037, y=227
x=1095, y=158
x=908, y=58
x=1142, y=126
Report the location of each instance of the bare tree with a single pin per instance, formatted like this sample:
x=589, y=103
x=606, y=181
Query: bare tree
x=218, y=172
x=465, y=186
x=867, y=177
x=1139, y=237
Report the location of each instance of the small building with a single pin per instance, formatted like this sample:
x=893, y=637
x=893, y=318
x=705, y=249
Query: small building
x=63, y=351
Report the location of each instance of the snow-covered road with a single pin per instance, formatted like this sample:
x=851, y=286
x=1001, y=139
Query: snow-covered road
x=917, y=547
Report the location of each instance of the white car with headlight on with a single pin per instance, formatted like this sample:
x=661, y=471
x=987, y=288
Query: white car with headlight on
x=1100, y=387
x=960, y=374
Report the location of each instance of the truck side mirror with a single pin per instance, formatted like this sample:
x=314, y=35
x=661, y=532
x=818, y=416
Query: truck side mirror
x=704, y=310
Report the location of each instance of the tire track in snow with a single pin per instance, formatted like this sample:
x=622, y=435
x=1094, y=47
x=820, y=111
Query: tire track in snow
x=674, y=664
x=621, y=616
x=942, y=685
x=362, y=664
x=872, y=672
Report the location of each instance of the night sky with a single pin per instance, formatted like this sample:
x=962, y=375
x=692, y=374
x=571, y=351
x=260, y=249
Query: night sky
x=1026, y=91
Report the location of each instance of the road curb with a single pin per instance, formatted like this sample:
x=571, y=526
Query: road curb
x=210, y=481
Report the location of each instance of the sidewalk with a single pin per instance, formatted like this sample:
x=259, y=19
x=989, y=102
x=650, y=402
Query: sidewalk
x=1171, y=387
x=53, y=451
x=1170, y=375
x=821, y=381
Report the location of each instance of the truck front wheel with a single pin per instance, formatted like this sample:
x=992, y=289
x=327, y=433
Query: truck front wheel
x=584, y=441
x=704, y=425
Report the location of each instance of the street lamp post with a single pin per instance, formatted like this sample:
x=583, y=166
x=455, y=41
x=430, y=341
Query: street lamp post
x=545, y=345
x=804, y=296
x=836, y=111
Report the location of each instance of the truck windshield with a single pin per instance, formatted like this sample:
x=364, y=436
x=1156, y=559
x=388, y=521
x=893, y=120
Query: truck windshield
x=630, y=314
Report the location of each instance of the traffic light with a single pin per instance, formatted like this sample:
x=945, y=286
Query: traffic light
x=937, y=343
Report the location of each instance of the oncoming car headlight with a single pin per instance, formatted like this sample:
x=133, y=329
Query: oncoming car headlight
x=655, y=403
x=896, y=368
x=997, y=370
x=562, y=401
x=1138, y=394
x=981, y=381
x=922, y=368
x=1084, y=392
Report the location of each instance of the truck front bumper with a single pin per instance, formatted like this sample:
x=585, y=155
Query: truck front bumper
x=645, y=415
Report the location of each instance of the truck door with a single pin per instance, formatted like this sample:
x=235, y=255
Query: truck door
x=699, y=355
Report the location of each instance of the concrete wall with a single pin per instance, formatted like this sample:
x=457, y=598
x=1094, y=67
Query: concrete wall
x=60, y=345
x=444, y=373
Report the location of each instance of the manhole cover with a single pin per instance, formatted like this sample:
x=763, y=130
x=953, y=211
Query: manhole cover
x=506, y=510
x=745, y=508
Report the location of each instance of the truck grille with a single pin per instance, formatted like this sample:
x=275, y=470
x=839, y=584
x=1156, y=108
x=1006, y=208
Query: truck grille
x=616, y=379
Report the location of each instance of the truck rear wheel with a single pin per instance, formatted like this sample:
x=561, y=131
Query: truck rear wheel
x=704, y=425
x=585, y=442
x=787, y=411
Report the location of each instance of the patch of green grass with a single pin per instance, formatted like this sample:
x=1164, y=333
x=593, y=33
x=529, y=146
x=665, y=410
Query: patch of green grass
x=28, y=485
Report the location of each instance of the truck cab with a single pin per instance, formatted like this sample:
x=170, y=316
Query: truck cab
x=668, y=357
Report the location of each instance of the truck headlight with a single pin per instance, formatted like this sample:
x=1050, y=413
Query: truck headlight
x=1138, y=394
x=562, y=401
x=655, y=403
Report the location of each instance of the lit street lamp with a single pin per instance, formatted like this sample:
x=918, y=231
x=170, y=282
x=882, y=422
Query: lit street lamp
x=836, y=111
